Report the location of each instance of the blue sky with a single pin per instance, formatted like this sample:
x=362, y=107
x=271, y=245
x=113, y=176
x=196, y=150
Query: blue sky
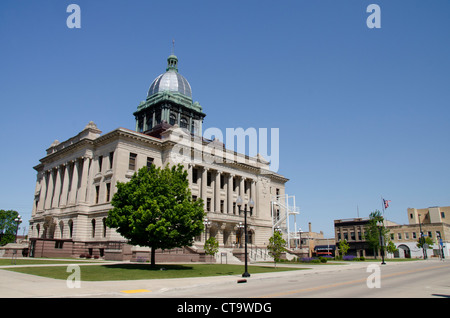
x=362, y=113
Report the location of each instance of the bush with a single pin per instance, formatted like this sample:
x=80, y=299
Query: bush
x=362, y=258
x=322, y=259
x=348, y=257
x=309, y=260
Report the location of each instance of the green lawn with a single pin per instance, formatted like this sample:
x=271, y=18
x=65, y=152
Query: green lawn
x=38, y=261
x=128, y=271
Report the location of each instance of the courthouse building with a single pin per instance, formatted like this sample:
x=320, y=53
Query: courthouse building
x=77, y=178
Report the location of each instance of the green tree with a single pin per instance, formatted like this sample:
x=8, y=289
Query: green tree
x=276, y=246
x=155, y=209
x=372, y=235
x=8, y=227
x=211, y=246
x=425, y=240
x=343, y=247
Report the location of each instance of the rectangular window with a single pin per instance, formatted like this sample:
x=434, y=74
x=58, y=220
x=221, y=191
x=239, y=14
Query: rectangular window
x=194, y=175
x=111, y=159
x=132, y=161
x=149, y=162
x=222, y=205
x=443, y=215
x=100, y=162
x=194, y=198
x=352, y=236
x=59, y=244
x=399, y=236
x=222, y=182
x=414, y=235
x=108, y=192
x=406, y=236
x=208, y=204
x=97, y=192
x=208, y=179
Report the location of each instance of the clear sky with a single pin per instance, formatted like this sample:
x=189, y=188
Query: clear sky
x=362, y=112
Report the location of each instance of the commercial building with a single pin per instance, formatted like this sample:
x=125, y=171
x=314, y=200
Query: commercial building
x=432, y=222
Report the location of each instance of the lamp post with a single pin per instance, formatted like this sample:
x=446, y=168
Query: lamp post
x=18, y=220
x=300, y=234
x=240, y=227
x=422, y=239
x=206, y=223
x=380, y=228
x=251, y=204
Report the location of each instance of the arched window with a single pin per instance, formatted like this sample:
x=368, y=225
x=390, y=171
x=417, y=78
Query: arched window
x=93, y=227
x=172, y=119
x=183, y=123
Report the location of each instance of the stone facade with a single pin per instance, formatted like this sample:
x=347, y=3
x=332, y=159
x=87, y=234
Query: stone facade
x=77, y=179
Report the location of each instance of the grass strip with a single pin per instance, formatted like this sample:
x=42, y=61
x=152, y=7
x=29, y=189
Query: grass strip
x=129, y=271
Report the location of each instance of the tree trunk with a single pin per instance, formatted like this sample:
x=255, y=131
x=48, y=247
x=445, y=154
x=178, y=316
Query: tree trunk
x=152, y=257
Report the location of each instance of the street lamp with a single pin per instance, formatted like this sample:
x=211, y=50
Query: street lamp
x=18, y=220
x=206, y=223
x=380, y=228
x=240, y=227
x=251, y=204
x=300, y=234
x=422, y=239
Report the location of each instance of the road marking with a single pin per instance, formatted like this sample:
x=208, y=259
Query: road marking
x=348, y=283
x=134, y=291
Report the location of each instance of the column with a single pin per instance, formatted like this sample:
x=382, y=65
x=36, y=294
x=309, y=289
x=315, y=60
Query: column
x=230, y=193
x=65, y=186
x=189, y=171
x=57, y=192
x=217, y=192
x=203, y=183
x=242, y=190
x=89, y=180
x=48, y=198
x=253, y=197
x=42, y=192
x=74, y=185
x=81, y=197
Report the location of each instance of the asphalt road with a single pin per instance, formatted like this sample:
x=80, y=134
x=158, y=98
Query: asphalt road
x=422, y=279
x=417, y=279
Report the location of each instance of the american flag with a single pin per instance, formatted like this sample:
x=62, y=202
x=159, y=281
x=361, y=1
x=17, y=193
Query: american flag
x=386, y=203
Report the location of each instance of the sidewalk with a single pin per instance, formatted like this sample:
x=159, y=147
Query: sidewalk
x=18, y=285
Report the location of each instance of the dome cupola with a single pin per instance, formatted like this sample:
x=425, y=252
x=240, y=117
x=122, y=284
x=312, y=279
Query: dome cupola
x=171, y=80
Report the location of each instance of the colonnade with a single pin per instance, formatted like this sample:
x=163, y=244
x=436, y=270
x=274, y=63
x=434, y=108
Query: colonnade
x=63, y=185
x=221, y=193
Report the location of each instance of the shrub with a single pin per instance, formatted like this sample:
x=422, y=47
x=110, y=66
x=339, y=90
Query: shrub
x=348, y=257
x=362, y=258
x=322, y=259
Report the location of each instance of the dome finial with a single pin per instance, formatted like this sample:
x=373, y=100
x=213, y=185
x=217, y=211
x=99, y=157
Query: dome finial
x=172, y=60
